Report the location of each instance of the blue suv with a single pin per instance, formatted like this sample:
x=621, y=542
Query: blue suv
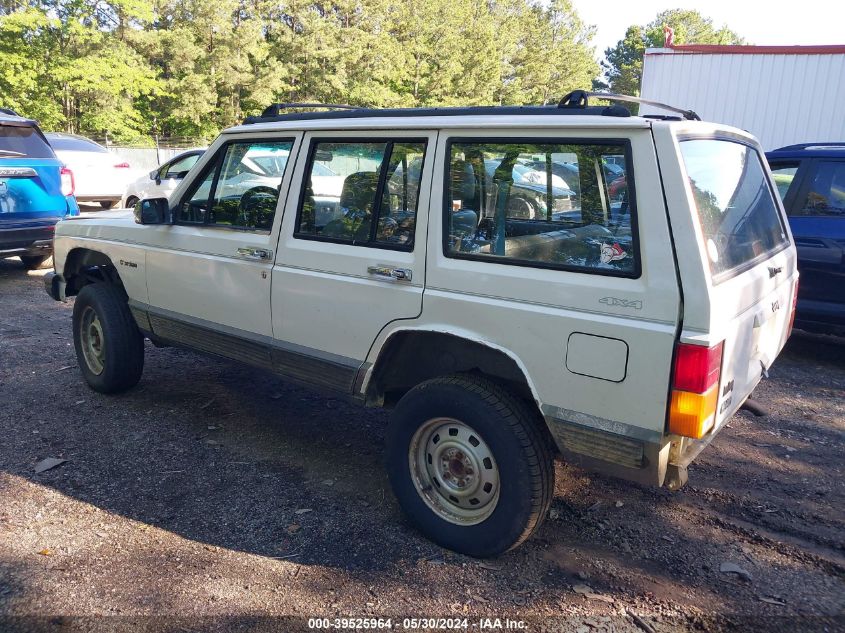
x=810, y=178
x=36, y=191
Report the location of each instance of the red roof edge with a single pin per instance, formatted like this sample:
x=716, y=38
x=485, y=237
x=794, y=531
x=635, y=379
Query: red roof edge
x=723, y=49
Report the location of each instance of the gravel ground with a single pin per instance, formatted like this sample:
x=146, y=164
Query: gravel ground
x=212, y=496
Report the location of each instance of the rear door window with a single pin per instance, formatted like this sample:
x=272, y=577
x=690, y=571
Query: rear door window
x=362, y=193
x=23, y=142
x=826, y=195
x=735, y=205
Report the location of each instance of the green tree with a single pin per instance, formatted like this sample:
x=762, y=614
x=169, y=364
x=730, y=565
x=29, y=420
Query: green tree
x=128, y=68
x=546, y=52
x=623, y=65
x=69, y=64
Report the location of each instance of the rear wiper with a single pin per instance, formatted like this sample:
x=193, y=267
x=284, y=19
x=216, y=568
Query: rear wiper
x=8, y=152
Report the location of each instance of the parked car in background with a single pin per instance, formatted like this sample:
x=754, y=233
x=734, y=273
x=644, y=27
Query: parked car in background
x=36, y=191
x=528, y=195
x=100, y=176
x=162, y=181
x=810, y=179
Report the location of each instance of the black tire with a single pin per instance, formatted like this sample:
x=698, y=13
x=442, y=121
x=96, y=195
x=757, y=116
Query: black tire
x=107, y=204
x=511, y=431
x=121, y=343
x=131, y=201
x=35, y=262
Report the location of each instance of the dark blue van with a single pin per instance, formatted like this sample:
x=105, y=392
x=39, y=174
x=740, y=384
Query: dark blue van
x=810, y=178
x=36, y=191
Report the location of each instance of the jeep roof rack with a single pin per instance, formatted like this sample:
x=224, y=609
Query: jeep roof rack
x=336, y=111
x=579, y=99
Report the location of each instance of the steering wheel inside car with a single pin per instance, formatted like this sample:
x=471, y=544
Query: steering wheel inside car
x=257, y=207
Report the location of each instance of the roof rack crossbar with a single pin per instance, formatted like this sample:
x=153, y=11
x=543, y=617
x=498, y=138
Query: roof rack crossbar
x=276, y=108
x=580, y=99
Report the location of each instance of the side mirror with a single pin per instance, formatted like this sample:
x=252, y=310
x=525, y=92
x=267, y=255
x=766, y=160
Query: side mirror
x=153, y=174
x=152, y=211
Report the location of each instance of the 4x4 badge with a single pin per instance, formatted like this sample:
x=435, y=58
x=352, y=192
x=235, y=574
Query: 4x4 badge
x=621, y=303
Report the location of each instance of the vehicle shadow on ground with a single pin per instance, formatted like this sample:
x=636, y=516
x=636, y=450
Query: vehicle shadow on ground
x=818, y=348
x=227, y=456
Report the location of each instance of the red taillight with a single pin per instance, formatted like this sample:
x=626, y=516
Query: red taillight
x=794, y=306
x=695, y=389
x=122, y=165
x=697, y=368
x=67, y=181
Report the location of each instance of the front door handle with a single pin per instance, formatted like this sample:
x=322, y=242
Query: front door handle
x=388, y=272
x=249, y=252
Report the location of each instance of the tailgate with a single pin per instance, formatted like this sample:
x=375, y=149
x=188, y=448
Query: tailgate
x=754, y=337
x=740, y=273
x=30, y=188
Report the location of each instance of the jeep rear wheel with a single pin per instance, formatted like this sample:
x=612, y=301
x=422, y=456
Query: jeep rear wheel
x=469, y=465
x=109, y=346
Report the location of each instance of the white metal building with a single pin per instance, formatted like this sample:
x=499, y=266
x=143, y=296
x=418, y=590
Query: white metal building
x=781, y=94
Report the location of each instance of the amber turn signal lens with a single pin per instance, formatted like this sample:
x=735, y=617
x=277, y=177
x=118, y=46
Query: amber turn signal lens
x=693, y=414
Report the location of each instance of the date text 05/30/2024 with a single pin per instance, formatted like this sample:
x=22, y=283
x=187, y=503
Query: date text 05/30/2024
x=480, y=624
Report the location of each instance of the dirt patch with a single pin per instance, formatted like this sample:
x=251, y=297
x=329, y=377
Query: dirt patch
x=215, y=491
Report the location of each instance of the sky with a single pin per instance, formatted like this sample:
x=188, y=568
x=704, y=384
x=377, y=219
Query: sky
x=766, y=22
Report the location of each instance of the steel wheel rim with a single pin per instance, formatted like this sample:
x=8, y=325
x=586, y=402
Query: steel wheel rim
x=454, y=471
x=93, y=341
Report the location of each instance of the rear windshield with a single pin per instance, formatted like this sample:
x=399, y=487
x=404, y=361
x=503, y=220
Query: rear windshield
x=22, y=142
x=738, y=215
x=76, y=144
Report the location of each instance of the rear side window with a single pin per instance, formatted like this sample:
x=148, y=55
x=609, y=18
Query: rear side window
x=826, y=196
x=23, y=142
x=565, y=205
x=736, y=210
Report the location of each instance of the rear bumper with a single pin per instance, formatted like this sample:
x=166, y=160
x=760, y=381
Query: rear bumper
x=94, y=197
x=26, y=240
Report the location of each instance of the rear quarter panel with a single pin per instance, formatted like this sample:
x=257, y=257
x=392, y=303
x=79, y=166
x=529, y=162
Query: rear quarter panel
x=533, y=313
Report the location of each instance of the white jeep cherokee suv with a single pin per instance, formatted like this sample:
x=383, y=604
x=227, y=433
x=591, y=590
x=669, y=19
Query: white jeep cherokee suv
x=515, y=283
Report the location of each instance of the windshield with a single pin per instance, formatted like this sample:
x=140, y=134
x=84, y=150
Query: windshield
x=737, y=212
x=22, y=142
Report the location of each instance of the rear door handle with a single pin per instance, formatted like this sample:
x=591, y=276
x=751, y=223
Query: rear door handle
x=249, y=252
x=388, y=272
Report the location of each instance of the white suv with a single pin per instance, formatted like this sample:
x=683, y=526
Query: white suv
x=447, y=273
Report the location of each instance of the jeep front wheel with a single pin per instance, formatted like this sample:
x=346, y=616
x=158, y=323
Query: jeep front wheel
x=109, y=346
x=469, y=464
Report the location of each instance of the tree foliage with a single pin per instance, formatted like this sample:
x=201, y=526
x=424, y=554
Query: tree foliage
x=131, y=68
x=623, y=67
